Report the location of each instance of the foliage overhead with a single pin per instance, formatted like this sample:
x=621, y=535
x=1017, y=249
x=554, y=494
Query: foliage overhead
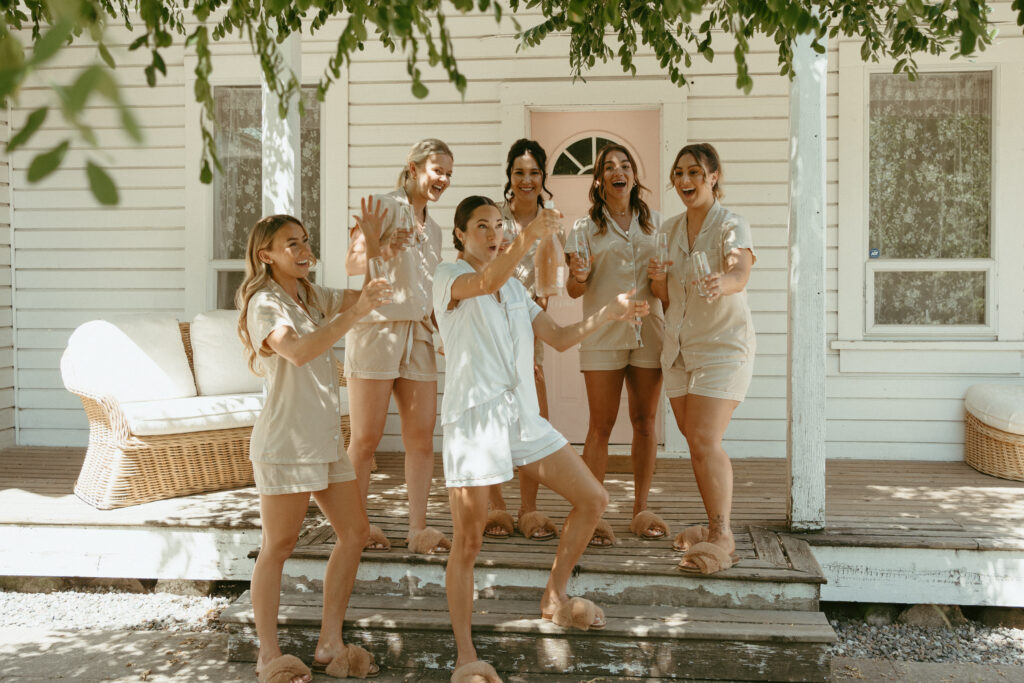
x=600, y=31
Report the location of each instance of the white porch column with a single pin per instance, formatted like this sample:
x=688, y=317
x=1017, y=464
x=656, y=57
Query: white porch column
x=281, y=152
x=805, y=384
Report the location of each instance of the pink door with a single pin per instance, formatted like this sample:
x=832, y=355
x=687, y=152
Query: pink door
x=572, y=140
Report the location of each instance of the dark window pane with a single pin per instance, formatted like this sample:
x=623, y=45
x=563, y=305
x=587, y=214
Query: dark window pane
x=930, y=168
x=565, y=166
x=930, y=298
x=228, y=282
x=582, y=151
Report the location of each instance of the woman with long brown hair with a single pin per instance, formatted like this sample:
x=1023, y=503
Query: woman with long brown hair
x=620, y=233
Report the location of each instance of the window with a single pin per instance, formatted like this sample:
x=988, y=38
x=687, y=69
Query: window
x=237, y=192
x=578, y=158
x=929, y=262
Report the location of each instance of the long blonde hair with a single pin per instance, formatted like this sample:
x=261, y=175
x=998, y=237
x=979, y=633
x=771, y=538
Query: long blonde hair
x=419, y=153
x=257, y=277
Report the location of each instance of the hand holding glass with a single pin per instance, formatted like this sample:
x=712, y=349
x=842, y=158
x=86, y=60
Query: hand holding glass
x=582, y=250
x=376, y=270
x=701, y=270
x=662, y=251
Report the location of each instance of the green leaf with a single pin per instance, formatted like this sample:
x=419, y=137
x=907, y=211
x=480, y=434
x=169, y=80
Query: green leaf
x=106, y=56
x=101, y=184
x=51, y=41
x=46, y=163
x=32, y=123
x=205, y=174
x=419, y=90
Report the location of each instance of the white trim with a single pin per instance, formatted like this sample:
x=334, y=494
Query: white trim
x=517, y=100
x=1005, y=60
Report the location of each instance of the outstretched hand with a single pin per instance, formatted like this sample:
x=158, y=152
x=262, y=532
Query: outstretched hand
x=371, y=219
x=375, y=294
x=624, y=307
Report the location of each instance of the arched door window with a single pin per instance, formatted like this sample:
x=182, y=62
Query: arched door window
x=578, y=158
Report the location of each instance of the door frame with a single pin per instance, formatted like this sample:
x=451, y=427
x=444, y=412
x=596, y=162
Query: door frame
x=517, y=100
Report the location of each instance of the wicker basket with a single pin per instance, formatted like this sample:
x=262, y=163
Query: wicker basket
x=122, y=469
x=992, y=450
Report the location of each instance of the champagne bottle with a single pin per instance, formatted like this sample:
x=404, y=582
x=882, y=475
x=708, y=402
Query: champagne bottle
x=549, y=263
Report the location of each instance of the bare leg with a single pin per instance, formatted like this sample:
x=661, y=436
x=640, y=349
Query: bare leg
x=703, y=420
x=604, y=389
x=565, y=474
x=281, y=518
x=344, y=509
x=469, y=514
x=417, y=407
x=643, y=388
x=368, y=411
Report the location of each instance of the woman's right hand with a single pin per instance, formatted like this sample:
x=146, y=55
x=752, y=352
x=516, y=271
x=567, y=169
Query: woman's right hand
x=657, y=270
x=547, y=222
x=579, y=268
x=370, y=220
x=375, y=294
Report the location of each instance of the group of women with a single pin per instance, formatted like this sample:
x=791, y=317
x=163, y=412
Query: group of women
x=647, y=320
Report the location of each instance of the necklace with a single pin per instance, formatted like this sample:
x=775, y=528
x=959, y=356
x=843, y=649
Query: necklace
x=620, y=214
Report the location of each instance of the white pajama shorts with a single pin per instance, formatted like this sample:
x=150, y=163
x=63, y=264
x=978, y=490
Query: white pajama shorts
x=483, y=446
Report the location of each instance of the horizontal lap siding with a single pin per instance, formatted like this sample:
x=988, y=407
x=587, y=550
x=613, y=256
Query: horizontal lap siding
x=7, y=436
x=75, y=260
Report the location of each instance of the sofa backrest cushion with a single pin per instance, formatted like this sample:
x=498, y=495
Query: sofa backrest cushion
x=219, y=357
x=133, y=358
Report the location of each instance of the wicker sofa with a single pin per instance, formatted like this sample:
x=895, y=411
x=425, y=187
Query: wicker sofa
x=170, y=407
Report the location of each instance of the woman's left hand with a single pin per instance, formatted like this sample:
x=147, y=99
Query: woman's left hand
x=625, y=307
x=657, y=270
x=713, y=286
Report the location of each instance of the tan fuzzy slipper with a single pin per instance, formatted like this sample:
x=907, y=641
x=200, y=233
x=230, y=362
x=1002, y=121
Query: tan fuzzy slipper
x=353, y=662
x=708, y=558
x=428, y=541
x=603, y=536
x=476, y=672
x=377, y=539
x=689, y=537
x=537, y=526
x=578, y=613
x=283, y=669
x=499, y=518
x=648, y=526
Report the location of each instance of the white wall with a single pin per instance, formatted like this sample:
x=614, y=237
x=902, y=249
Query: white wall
x=76, y=261
x=6, y=309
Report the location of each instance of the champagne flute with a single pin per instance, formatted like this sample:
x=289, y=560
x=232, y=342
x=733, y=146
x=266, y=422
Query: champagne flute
x=662, y=252
x=637, y=321
x=377, y=271
x=701, y=270
x=581, y=247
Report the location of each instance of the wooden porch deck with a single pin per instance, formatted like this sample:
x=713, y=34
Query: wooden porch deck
x=871, y=504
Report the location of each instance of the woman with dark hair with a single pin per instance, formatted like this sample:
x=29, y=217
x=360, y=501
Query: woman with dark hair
x=490, y=417
x=525, y=187
x=620, y=232
x=708, y=355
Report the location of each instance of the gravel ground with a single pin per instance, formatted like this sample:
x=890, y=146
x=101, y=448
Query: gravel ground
x=103, y=609
x=971, y=643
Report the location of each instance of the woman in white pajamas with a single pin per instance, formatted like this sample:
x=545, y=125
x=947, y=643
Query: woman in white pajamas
x=288, y=326
x=392, y=350
x=708, y=355
x=620, y=230
x=490, y=416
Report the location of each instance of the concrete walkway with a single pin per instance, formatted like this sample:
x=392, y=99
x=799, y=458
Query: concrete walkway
x=35, y=655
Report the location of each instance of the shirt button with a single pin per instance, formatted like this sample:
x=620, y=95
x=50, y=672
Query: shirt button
x=335, y=437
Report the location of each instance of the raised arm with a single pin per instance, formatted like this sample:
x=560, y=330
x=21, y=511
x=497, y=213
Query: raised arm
x=562, y=337
x=364, y=240
x=738, y=263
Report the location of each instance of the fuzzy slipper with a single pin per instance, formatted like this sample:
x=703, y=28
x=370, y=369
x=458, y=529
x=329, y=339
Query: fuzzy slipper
x=578, y=613
x=689, y=537
x=283, y=670
x=353, y=662
x=499, y=518
x=476, y=672
x=377, y=540
x=603, y=536
x=537, y=526
x=708, y=558
x=428, y=541
x=648, y=526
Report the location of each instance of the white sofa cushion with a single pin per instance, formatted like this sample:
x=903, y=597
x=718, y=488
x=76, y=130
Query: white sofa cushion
x=196, y=414
x=219, y=357
x=133, y=358
x=997, y=405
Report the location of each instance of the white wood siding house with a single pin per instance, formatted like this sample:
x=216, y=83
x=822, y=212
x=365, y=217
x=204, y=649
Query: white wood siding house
x=890, y=394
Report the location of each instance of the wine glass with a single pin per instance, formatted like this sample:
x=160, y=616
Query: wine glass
x=701, y=270
x=377, y=271
x=637, y=321
x=581, y=247
x=661, y=255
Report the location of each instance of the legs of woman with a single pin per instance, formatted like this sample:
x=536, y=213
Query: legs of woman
x=703, y=420
x=368, y=410
x=417, y=407
x=643, y=388
x=565, y=474
x=345, y=510
x=281, y=517
x=469, y=514
x=604, y=389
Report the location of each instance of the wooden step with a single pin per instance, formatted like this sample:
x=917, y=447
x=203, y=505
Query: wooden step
x=414, y=633
x=775, y=571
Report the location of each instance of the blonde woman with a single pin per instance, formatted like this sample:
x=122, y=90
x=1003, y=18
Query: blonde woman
x=288, y=326
x=620, y=231
x=391, y=352
x=708, y=357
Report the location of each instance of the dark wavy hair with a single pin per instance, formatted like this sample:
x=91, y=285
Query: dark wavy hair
x=636, y=203
x=707, y=156
x=532, y=147
x=463, y=211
